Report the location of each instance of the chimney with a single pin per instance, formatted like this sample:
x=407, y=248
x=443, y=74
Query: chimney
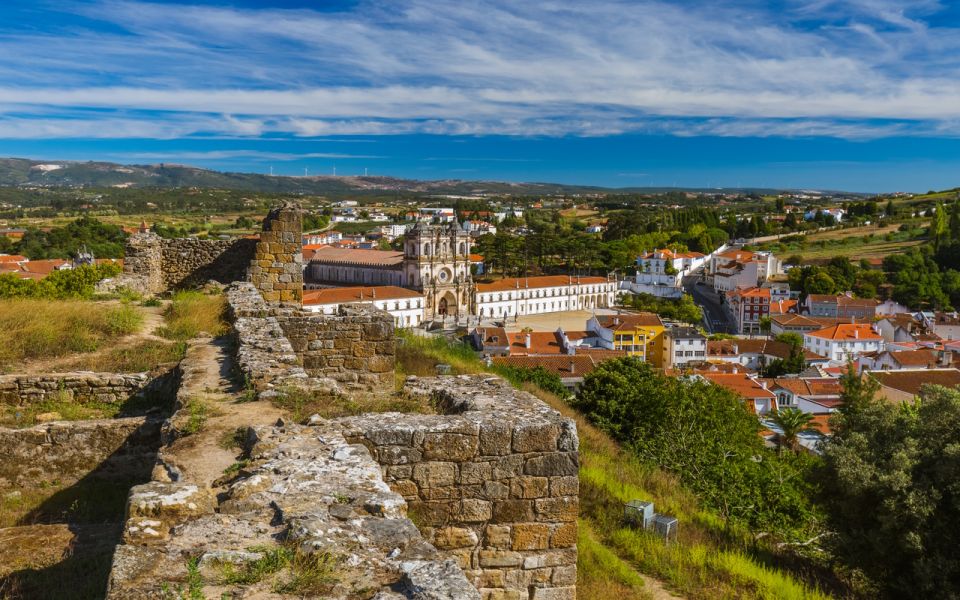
x=763, y=384
x=573, y=368
x=526, y=341
x=856, y=334
x=373, y=293
x=946, y=358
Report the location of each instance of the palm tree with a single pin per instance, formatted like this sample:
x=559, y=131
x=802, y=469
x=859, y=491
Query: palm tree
x=792, y=422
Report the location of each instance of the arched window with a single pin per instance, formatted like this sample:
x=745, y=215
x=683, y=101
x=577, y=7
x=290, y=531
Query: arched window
x=426, y=249
x=463, y=248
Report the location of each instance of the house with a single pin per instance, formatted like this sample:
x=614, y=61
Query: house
x=758, y=398
x=747, y=307
x=683, y=346
x=900, y=327
x=836, y=213
x=841, y=343
x=887, y=360
x=891, y=307
x=736, y=268
x=406, y=306
x=752, y=354
x=793, y=323
x=944, y=325
x=842, y=306
x=905, y=385
x=491, y=341
x=660, y=272
x=570, y=369
x=639, y=334
x=819, y=395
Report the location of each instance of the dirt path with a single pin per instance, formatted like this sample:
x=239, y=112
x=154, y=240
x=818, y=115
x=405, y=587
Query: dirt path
x=205, y=455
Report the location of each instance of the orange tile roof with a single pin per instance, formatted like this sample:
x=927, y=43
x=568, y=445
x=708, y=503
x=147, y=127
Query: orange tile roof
x=922, y=357
x=819, y=386
x=737, y=255
x=911, y=381
x=45, y=266
x=344, y=295
x=782, y=307
x=561, y=365
x=541, y=342
x=737, y=347
x=332, y=255
x=847, y=332
x=493, y=336
x=741, y=384
x=753, y=292
x=629, y=321
x=476, y=258
x=542, y=281
x=12, y=258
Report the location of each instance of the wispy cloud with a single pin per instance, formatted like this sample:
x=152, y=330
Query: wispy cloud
x=851, y=69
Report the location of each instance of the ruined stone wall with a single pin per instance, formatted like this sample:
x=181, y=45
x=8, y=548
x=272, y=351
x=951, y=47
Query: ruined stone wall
x=63, y=452
x=80, y=387
x=285, y=346
x=355, y=346
x=277, y=267
x=153, y=265
x=494, y=483
x=191, y=262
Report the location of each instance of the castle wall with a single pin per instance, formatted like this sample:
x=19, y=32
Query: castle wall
x=154, y=265
x=80, y=387
x=493, y=483
x=277, y=267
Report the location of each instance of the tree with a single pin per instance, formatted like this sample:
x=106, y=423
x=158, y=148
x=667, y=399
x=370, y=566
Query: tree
x=792, y=422
x=890, y=211
x=701, y=432
x=890, y=487
x=955, y=221
x=938, y=226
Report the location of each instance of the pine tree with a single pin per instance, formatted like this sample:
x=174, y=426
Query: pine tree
x=938, y=227
x=955, y=222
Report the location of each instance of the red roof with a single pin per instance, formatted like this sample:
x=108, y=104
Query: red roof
x=332, y=255
x=12, y=258
x=344, y=295
x=847, y=333
x=544, y=281
x=741, y=384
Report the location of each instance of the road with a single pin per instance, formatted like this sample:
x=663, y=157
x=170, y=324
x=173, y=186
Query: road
x=714, y=316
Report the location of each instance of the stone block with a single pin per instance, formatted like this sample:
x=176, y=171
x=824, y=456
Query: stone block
x=531, y=536
x=475, y=473
x=475, y=511
x=449, y=446
x=513, y=511
x=554, y=593
x=561, y=509
x=455, y=537
x=553, y=464
x=564, y=576
x=564, y=486
x=495, y=438
x=564, y=536
x=538, y=437
x=500, y=558
x=529, y=487
x=497, y=536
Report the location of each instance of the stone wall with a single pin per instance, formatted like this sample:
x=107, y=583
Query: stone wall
x=277, y=267
x=153, y=265
x=493, y=483
x=277, y=346
x=191, y=262
x=355, y=346
x=64, y=452
x=80, y=387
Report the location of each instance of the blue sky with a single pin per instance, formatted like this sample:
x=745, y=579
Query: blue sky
x=860, y=94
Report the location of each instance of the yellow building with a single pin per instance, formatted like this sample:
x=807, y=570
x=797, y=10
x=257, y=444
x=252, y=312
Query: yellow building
x=639, y=334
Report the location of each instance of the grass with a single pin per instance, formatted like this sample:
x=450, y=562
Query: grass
x=37, y=329
x=198, y=412
x=233, y=439
x=140, y=357
x=85, y=502
x=60, y=406
x=191, y=313
x=300, y=404
x=294, y=570
x=710, y=559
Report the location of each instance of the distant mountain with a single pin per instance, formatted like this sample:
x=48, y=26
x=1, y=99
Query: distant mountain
x=19, y=172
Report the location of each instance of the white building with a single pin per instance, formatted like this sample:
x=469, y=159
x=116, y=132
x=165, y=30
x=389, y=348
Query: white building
x=660, y=272
x=536, y=295
x=683, y=346
x=394, y=229
x=406, y=306
x=443, y=215
x=736, y=268
x=843, y=342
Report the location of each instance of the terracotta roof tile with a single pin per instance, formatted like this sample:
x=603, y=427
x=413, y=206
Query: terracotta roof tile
x=543, y=281
x=847, y=332
x=910, y=381
x=342, y=295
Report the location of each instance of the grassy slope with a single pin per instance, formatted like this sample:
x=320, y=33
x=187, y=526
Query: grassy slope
x=709, y=560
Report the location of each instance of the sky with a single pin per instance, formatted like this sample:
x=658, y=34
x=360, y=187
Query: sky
x=859, y=95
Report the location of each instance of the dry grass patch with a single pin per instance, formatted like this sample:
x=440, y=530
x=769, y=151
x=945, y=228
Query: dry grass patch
x=192, y=313
x=140, y=357
x=301, y=404
x=36, y=329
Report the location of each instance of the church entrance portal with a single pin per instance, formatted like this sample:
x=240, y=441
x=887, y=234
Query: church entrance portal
x=447, y=306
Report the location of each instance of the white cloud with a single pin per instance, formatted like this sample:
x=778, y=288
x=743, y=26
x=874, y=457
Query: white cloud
x=448, y=67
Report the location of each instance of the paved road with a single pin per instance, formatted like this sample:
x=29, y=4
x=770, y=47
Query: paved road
x=714, y=316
